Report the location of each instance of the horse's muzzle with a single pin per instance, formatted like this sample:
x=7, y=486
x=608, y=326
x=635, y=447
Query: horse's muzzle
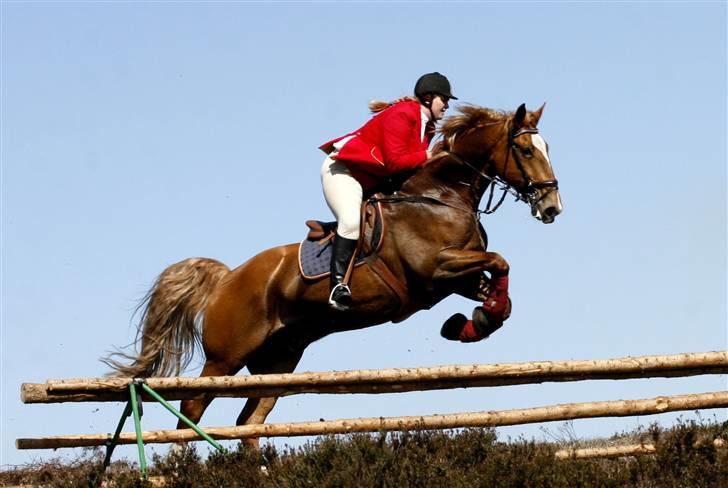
x=547, y=205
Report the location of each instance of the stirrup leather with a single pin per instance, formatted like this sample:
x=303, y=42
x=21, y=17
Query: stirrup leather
x=340, y=297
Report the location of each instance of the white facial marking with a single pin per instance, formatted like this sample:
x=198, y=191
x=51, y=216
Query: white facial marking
x=540, y=144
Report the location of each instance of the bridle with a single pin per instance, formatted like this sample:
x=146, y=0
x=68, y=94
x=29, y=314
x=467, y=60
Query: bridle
x=530, y=186
x=527, y=194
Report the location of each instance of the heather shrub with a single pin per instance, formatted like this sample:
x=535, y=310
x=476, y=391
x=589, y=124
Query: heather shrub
x=686, y=457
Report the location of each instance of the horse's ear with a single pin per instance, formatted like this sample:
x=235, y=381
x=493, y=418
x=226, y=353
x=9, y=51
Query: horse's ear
x=537, y=114
x=520, y=114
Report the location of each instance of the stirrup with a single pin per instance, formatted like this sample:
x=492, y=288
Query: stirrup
x=340, y=297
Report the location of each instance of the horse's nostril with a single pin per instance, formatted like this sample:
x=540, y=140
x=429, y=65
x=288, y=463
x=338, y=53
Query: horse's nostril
x=550, y=212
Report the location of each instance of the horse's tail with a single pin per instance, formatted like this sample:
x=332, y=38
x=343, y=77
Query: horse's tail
x=167, y=326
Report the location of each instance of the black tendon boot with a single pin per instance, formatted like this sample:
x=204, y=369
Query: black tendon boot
x=343, y=249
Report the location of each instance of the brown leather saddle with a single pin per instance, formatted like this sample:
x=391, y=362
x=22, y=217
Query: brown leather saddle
x=314, y=253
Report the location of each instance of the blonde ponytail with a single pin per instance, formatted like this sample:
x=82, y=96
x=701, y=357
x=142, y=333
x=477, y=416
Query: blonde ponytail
x=377, y=106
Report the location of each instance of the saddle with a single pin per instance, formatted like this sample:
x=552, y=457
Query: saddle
x=314, y=253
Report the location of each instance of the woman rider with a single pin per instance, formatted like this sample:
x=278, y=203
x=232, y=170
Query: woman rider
x=396, y=139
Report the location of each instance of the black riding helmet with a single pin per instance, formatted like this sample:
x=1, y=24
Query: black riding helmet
x=433, y=83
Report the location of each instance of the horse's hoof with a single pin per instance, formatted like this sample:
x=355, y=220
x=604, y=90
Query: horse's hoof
x=509, y=307
x=484, y=324
x=453, y=326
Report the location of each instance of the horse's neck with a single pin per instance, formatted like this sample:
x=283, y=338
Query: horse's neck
x=444, y=178
x=460, y=177
x=473, y=154
x=477, y=146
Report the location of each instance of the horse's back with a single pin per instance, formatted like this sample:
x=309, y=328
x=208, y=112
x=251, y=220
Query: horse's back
x=268, y=271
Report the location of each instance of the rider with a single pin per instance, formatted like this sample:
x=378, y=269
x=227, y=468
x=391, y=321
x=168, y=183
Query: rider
x=396, y=139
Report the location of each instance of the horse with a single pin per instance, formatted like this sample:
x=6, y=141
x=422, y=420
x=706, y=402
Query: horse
x=263, y=314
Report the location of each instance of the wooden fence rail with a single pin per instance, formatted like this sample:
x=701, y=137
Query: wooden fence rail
x=622, y=450
x=615, y=408
x=384, y=380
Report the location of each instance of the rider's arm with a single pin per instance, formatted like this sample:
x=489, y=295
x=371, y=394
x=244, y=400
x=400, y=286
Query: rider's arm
x=398, y=132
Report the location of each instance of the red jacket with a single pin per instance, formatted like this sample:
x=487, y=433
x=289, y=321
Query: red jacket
x=387, y=144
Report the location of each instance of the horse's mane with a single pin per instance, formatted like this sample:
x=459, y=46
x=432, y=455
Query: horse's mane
x=471, y=117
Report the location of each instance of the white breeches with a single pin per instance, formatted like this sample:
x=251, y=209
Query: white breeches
x=343, y=195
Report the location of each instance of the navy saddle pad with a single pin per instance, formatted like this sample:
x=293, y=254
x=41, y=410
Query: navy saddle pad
x=314, y=256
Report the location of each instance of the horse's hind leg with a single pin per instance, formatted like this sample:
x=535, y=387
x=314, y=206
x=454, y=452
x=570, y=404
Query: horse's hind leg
x=280, y=354
x=195, y=407
x=234, y=328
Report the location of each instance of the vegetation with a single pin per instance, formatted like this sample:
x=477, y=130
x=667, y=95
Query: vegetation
x=685, y=457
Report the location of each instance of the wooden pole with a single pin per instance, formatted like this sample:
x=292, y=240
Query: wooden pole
x=606, y=452
x=383, y=380
x=616, y=408
x=620, y=451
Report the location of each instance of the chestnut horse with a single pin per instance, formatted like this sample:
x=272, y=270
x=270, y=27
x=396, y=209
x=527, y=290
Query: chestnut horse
x=263, y=314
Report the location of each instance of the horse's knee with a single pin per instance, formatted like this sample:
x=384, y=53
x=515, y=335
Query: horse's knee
x=499, y=265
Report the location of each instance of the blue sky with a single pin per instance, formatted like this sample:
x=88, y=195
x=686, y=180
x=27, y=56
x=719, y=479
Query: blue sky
x=136, y=134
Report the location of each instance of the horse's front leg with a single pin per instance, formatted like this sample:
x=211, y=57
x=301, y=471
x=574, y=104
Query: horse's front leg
x=464, y=271
x=456, y=263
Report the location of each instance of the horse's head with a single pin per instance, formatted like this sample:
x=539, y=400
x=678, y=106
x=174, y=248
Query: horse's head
x=527, y=167
x=509, y=147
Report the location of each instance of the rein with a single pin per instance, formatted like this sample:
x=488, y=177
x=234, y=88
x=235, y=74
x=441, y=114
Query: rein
x=493, y=182
x=406, y=198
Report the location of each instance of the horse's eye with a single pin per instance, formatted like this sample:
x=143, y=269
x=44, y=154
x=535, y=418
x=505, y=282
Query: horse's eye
x=527, y=152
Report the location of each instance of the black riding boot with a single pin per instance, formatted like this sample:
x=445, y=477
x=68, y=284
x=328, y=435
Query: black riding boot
x=342, y=251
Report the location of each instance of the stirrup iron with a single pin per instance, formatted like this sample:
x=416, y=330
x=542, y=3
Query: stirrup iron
x=340, y=297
